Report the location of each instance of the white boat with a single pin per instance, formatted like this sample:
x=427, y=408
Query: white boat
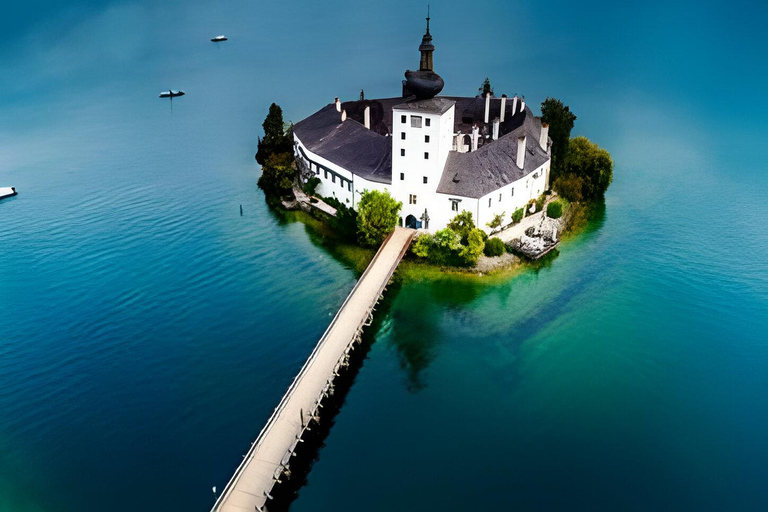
x=171, y=94
x=7, y=192
x=218, y=39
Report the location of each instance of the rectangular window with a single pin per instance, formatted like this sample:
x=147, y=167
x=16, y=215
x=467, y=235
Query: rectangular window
x=489, y=202
x=402, y=152
x=415, y=121
x=426, y=156
x=427, y=120
x=402, y=176
x=402, y=119
x=425, y=179
x=499, y=197
x=326, y=174
x=426, y=138
x=402, y=135
x=333, y=178
x=513, y=191
x=350, y=186
x=454, y=206
x=411, y=199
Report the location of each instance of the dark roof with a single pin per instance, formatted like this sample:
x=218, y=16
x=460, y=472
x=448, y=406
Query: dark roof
x=493, y=166
x=368, y=153
x=347, y=144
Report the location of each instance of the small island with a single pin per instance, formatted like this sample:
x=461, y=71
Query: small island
x=484, y=182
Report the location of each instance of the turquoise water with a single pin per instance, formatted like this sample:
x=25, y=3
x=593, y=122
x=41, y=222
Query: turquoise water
x=148, y=329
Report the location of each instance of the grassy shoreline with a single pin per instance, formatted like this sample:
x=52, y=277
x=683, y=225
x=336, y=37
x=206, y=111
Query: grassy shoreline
x=412, y=268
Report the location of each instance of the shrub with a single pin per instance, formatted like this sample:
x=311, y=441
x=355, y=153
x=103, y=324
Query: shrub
x=497, y=221
x=494, y=247
x=377, y=215
x=277, y=174
x=474, y=248
x=570, y=187
x=517, y=215
x=555, y=210
x=310, y=187
x=540, y=202
x=423, y=245
x=462, y=224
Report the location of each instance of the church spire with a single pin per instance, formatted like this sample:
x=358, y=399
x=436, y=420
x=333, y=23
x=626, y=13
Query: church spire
x=426, y=49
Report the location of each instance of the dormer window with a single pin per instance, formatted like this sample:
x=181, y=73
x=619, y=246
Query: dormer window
x=415, y=121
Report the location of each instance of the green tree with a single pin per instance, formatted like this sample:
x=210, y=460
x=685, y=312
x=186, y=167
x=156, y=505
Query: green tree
x=517, y=215
x=592, y=164
x=570, y=186
x=560, y=120
x=277, y=174
x=485, y=88
x=474, y=247
x=497, y=221
x=377, y=214
x=277, y=138
x=462, y=224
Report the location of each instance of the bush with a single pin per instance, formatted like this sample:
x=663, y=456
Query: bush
x=493, y=247
x=540, y=202
x=462, y=224
x=555, y=210
x=517, y=215
x=442, y=248
x=474, y=248
x=277, y=174
x=310, y=187
x=377, y=215
x=570, y=187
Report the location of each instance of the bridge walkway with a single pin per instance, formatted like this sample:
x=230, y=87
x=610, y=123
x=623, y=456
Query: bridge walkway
x=269, y=456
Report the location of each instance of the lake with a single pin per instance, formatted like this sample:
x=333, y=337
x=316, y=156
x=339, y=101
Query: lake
x=149, y=329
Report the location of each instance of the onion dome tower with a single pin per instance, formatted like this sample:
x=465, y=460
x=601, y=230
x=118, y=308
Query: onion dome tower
x=424, y=83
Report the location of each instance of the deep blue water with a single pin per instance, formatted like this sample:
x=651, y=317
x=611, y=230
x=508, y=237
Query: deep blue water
x=148, y=329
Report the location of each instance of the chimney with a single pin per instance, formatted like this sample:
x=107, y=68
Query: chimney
x=496, y=128
x=514, y=105
x=367, y=117
x=338, y=104
x=544, y=136
x=475, y=136
x=521, y=151
x=487, y=106
x=343, y=115
x=503, y=107
x=522, y=104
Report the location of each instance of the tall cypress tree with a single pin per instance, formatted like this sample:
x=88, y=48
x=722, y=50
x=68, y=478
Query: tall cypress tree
x=560, y=120
x=276, y=140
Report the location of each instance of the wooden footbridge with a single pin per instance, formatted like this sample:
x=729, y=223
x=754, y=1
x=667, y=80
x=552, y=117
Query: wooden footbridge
x=269, y=457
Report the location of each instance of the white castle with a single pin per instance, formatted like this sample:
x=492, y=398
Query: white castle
x=438, y=155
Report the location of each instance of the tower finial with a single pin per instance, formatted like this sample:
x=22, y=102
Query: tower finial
x=427, y=18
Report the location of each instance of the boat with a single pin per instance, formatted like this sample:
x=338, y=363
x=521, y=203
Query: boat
x=7, y=192
x=218, y=39
x=171, y=94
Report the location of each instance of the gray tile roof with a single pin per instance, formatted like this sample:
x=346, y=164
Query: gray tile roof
x=494, y=165
x=368, y=153
x=347, y=144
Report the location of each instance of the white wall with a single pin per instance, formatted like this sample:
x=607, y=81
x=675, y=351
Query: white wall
x=412, y=166
x=334, y=180
x=525, y=189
